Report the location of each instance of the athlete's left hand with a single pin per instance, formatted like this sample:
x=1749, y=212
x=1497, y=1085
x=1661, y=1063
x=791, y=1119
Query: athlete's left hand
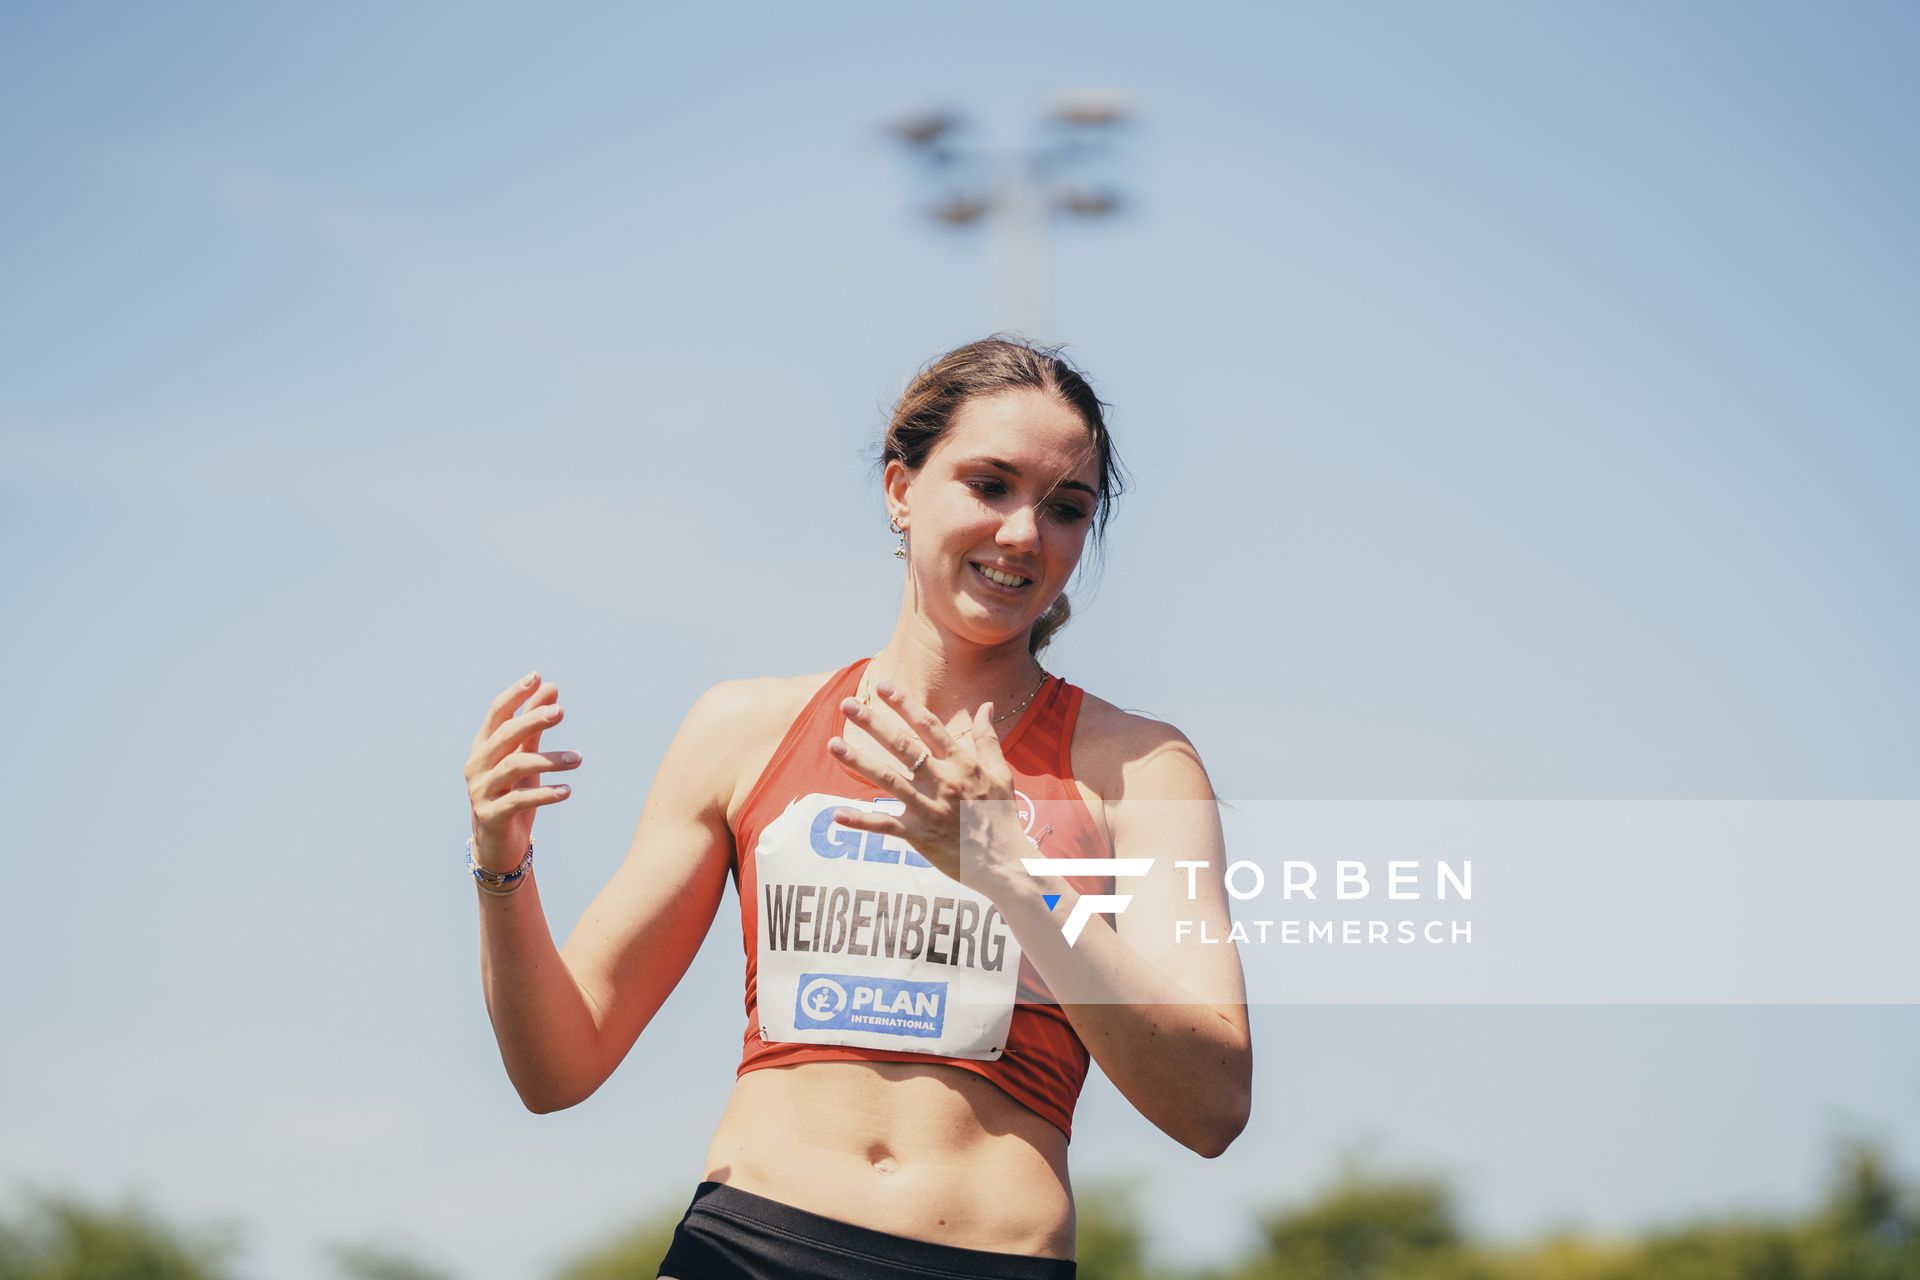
x=961, y=811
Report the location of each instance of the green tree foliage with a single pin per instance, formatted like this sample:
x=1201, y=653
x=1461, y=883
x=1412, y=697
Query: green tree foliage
x=629, y=1254
x=60, y=1238
x=1363, y=1227
x=377, y=1262
x=1869, y=1226
x=1372, y=1228
x=1109, y=1239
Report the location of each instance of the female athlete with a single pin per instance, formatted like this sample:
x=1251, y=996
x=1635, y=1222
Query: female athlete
x=921, y=1006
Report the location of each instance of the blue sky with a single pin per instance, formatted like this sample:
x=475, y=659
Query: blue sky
x=1516, y=405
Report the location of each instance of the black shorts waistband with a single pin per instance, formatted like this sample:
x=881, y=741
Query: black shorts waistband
x=725, y=1226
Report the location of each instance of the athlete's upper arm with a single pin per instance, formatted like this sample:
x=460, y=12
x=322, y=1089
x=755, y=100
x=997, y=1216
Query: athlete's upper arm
x=1165, y=810
x=637, y=937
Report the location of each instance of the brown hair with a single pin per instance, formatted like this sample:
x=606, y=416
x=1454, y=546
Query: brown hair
x=1004, y=362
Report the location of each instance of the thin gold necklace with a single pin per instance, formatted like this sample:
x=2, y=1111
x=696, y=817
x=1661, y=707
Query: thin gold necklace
x=866, y=696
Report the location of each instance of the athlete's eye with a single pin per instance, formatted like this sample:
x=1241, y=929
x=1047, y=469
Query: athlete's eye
x=1067, y=512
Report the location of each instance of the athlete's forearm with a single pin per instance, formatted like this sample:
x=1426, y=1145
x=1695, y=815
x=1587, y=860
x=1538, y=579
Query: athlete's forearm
x=543, y=1021
x=1172, y=1055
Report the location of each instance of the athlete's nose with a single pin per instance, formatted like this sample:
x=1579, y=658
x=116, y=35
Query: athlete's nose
x=1021, y=528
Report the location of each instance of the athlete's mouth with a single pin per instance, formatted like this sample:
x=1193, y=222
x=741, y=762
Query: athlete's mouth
x=998, y=578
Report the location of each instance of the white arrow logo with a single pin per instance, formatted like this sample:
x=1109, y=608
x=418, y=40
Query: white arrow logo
x=1088, y=905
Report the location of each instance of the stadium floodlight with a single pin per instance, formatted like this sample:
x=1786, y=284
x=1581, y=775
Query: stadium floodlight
x=1016, y=192
x=1094, y=107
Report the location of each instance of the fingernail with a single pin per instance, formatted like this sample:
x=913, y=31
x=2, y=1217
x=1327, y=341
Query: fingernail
x=531, y=677
x=884, y=688
x=836, y=746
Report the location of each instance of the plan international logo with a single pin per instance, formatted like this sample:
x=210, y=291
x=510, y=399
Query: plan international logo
x=831, y=1001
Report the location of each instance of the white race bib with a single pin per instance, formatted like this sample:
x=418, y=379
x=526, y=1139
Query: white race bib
x=864, y=942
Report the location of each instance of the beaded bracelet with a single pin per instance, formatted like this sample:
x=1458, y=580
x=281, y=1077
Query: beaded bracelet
x=485, y=878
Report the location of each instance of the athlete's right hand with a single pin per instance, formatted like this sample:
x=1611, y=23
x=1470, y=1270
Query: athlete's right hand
x=503, y=773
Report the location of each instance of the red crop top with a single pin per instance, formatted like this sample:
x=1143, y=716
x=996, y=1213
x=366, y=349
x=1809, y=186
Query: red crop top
x=863, y=950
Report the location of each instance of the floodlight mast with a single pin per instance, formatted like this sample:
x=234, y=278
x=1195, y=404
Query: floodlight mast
x=1016, y=191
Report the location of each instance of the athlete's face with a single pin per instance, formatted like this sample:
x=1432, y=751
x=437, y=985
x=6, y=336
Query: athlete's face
x=1011, y=487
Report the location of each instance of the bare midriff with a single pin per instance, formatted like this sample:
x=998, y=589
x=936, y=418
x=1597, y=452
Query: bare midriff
x=921, y=1150
x=917, y=1149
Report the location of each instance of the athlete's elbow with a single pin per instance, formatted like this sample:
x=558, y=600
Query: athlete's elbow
x=546, y=1101
x=1215, y=1144
x=1213, y=1141
x=545, y=1104
x=1222, y=1123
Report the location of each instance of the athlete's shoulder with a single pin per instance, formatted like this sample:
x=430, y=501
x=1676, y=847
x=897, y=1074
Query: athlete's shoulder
x=743, y=702
x=1114, y=729
x=742, y=720
x=1118, y=751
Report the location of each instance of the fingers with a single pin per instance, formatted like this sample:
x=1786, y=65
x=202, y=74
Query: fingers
x=894, y=736
x=522, y=765
x=503, y=704
x=520, y=798
x=985, y=740
x=503, y=781
x=547, y=696
x=926, y=725
x=893, y=779
x=862, y=820
x=542, y=713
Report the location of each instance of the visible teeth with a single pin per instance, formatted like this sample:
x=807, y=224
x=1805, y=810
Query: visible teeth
x=1004, y=579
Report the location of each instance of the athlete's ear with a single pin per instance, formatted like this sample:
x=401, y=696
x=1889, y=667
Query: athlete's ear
x=895, y=481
